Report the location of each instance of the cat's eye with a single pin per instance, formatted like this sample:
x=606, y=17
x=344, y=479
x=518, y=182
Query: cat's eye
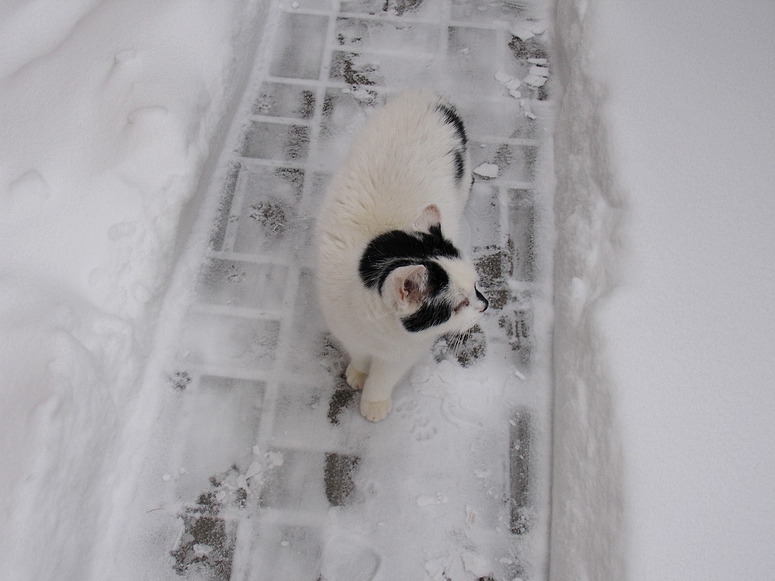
x=461, y=305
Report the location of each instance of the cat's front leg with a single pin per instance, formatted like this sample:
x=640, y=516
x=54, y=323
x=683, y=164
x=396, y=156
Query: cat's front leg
x=376, y=400
x=357, y=371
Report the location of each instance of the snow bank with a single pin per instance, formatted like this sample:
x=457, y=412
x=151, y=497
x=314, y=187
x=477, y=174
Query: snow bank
x=108, y=110
x=665, y=328
x=587, y=480
x=691, y=334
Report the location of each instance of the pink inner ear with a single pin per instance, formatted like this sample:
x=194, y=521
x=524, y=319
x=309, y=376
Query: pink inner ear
x=410, y=282
x=406, y=288
x=430, y=216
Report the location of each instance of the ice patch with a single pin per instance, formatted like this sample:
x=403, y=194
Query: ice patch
x=276, y=458
x=202, y=550
x=253, y=470
x=502, y=77
x=511, y=83
x=522, y=33
x=528, y=29
x=534, y=81
x=476, y=564
x=487, y=170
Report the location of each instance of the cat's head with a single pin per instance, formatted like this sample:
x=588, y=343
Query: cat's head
x=423, y=278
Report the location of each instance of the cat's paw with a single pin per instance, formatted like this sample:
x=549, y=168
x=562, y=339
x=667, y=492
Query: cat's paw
x=355, y=378
x=375, y=411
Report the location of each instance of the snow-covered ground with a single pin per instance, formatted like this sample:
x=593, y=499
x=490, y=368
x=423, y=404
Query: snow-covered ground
x=115, y=116
x=268, y=471
x=671, y=213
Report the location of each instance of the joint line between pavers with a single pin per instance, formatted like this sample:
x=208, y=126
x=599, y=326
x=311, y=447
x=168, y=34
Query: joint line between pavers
x=286, y=330
x=251, y=258
x=446, y=19
x=243, y=547
x=514, y=185
x=384, y=53
x=504, y=207
x=255, y=375
x=230, y=235
x=274, y=163
x=493, y=140
x=278, y=374
x=244, y=373
x=446, y=12
x=279, y=120
x=320, y=96
x=240, y=312
x=260, y=70
x=303, y=518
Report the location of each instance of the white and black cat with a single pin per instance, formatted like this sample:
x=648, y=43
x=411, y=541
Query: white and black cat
x=391, y=278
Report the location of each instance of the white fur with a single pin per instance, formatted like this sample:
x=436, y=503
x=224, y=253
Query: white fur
x=399, y=167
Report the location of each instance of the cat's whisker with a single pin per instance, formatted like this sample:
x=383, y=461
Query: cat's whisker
x=457, y=340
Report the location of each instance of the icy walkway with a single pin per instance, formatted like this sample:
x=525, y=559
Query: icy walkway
x=267, y=471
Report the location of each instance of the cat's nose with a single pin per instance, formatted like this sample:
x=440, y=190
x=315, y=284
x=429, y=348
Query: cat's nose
x=484, y=302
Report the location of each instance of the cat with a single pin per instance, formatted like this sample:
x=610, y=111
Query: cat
x=390, y=276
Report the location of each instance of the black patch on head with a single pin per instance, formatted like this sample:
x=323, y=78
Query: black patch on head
x=451, y=117
x=398, y=248
x=436, y=308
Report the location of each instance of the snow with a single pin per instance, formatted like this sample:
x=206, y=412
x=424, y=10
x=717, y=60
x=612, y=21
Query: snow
x=108, y=110
x=696, y=383
x=487, y=170
x=664, y=331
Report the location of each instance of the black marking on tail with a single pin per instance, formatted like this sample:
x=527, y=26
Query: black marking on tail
x=460, y=166
x=451, y=117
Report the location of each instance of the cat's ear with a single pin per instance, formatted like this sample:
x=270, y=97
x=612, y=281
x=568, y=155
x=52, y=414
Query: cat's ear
x=430, y=216
x=406, y=286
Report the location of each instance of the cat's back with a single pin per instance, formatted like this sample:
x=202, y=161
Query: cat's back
x=410, y=153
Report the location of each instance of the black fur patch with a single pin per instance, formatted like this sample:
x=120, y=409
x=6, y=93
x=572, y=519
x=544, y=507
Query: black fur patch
x=427, y=316
x=435, y=309
x=451, y=117
x=460, y=167
x=399, y=248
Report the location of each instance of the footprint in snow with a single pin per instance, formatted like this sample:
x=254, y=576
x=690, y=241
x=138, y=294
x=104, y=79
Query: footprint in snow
x=421, y=426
